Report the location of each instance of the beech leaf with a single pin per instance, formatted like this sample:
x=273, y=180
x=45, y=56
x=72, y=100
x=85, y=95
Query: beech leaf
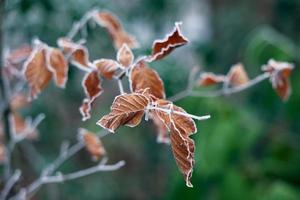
x=127, y=109
x=36, y=72
x=106, y=67
x=237, y=75
x=125, y=56
x=208, y=79
x=164, y=47
x=91, y=84
x=142, y=77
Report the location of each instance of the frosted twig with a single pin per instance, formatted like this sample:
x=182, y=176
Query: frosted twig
x=10, y=183
x=222, y=92
x=120, y=85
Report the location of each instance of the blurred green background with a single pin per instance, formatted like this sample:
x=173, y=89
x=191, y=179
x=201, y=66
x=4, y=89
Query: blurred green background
x=249, y=149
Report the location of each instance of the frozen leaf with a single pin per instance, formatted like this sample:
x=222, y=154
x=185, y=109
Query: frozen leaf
x=142, y=77
x=85, y=109
x=162, y=48
x=79, y=53
x=106, y=67
x=36, y=72
x=237, y=75
x=181, y=127
x=125, y=56
x=161, y=129
x=127, y=109
x=92, y=143
x=115, y=29
x=92, y=85
x=280, y=72
x=58, y=66
x=208, y=79
x=19, y=55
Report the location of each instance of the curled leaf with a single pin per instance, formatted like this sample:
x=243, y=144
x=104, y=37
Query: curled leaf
x=19, y=55
x=181, y=127
x=91, y=84
x=125, y=56
x=127, y=109
x=161, y=129
x=92, y=143
x=142, y=77
x=164, y=47
x=280, y=72
x=79, y=53
x=208, y=79
x=58, y=66
x=237, y=75
x=106, y=67
x=36, y=72
x=114, y=27
x=85, y=109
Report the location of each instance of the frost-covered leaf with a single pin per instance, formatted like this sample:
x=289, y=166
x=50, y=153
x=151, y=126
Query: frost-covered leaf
x=85, y=109
x=125, y=56
x=106, y=67
x=164, y=47
x=114, y=27
x=208, y=79
x=127, y=109
x=280, y=72
x=161, y=129
x=92, y=143
x=91, y=84
x=237, y=75
x=20, y=54
x=58, y=66
x=36, y=72
x=142, y=77
x=79, y=53
x=181, y=127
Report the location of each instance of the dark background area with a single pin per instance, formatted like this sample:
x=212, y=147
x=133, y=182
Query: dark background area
x=250, y=147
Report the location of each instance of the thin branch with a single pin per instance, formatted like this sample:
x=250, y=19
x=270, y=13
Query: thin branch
x=10, y=183
x=120, y=85
x=222, y=92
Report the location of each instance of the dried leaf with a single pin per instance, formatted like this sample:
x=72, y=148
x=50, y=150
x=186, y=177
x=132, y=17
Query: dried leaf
x=142, y=77
x=280, y=72
x=115, y=29
x=19, y=55
x=127, y=109
x=93, y=144
x=106, y=67
x=78, y=52
x=125, y=56
x=164, y=47
x=181, y=127
x=208, y=79
x=36, y=72
x=161, y=129
x=237, y=75
x=91, y=84
x=58, y=66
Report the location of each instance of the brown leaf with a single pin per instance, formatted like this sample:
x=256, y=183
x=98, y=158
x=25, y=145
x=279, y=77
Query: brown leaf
x=91, y=84
x=208, y=79
x=106, y=67
x=36, y=72
x=125, y=56
x=78, y=52
x=93, y=144
x=280, y=72
x=181, y=127
x=161, y=129
x=127, y=109
x=19, y=55
x=58, y=66
x=115, y=29
x=164, y=47
x=142, y=77
x=85, y=109
x=237, y=75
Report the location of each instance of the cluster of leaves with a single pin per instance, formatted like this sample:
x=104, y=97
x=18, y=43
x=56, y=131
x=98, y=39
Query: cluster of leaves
x=147, y=94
